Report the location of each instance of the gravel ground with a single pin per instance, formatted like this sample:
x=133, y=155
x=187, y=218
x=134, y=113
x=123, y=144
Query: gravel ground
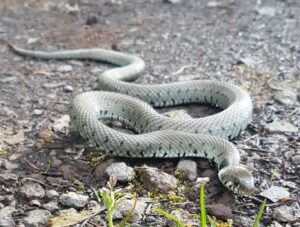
x=46, y=169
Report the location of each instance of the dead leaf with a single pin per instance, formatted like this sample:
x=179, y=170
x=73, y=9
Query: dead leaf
x=69, y=219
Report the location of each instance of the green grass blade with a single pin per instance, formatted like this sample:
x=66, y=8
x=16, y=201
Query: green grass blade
x=202, y=207
x=128, y=216
x=169, y=216
x=211, y=221
x=259, y=214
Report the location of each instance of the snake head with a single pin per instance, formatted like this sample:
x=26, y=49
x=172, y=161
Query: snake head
x=237, y=178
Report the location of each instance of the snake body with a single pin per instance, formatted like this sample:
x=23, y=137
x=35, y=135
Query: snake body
x=158, y=135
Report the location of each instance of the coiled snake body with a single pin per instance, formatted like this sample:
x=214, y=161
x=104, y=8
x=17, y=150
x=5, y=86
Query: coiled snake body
x=158, y=135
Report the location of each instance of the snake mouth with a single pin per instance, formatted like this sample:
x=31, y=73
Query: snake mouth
x=237, y=179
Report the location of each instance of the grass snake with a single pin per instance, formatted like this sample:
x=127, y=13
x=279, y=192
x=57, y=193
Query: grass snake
x=159, y=136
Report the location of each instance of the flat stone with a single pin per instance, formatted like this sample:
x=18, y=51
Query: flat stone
x=275, y=224
x=284, y=214
x=32, y=191
x=51, y=206
x=156, y=180
x=75, y=200
x=188, y=168
x=120, y=171
x=296, y=159
x=281, y=127
x=67, y=211
x=287, y=97
x=220, y=211
x=275, y=193
x=8, y=178
x=125, y=206
x=37, y=218
x=266, y=11
x=182, y=215
x=6, y=218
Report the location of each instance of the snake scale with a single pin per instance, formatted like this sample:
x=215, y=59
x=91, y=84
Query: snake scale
x=158, y=135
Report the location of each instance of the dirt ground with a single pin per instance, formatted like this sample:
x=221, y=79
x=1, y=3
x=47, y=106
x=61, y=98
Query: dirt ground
x=253, y=44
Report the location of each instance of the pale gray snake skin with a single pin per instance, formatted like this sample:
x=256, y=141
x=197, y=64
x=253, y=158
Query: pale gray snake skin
x=158, y=135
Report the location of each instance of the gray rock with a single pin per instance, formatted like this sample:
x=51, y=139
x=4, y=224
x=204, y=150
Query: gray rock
x=266, y=11
x=284, y=214
x=125, y=206
x=296, y=159
x=67, y=211
x=51, y=194
x=61, y=124
x=32, y=40
x=181, y=215
x=156, y=180
x=37, y=218
x=193, y=191
x=8, y=178
x=120, y=171
x=65, y=68
x=220, y=211
x=188, y=168
x=68, y=88
x=287, y=97
x=35, y=202
x=275, y=224
x=281, y=127
x=51, y=206
x=117, y=215
x=101, y=167
x=275, y=193
x=6, y=218
x=38, y=112
x=32, y=191
x=72, y=199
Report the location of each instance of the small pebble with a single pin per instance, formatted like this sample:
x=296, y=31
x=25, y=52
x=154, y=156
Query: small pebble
x=38, y=112
x=37, y=218
x=120, y=171
x=188, y=168
x=52, y=194
x=156, y=180
x=284, y=214
x=91, y=20
x=278, y=126
x=32, y=191
x=65, y=68
x=74, y=200
x=68, y=88
x=51, y=206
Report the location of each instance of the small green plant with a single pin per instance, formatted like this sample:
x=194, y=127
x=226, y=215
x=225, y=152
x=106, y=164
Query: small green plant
x=169, y=216
x=259, y=214
x=111, y=198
